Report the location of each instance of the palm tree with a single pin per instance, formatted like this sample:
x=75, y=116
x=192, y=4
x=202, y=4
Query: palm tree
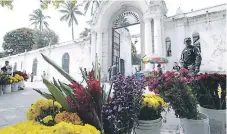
x=70, y=10
x=91, y=3
x=39, y=19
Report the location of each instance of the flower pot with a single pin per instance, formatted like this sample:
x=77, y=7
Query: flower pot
x=217, y=120
x=1, y=92
x=149, y=126
x=189, y=126
x=6, y=89
x=21, y=84
x=14, y=87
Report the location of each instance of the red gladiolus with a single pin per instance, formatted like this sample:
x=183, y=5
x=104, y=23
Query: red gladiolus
x=94, y=87
x=91, y=75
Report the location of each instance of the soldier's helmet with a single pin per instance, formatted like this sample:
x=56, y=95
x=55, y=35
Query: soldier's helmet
x=187, y=39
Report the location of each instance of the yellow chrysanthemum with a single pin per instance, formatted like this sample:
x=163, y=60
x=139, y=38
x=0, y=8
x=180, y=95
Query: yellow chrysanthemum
x=152, y=100
x=47, y=119
x=32, y=127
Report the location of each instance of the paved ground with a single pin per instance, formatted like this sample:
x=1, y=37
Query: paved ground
x=13, y=108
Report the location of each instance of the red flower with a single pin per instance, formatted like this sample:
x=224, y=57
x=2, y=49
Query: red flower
x=94, y=87
x=91, y=75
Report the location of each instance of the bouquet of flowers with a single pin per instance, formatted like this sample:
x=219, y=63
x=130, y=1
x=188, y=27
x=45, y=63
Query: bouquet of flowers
x=120, y=114
x=5, y=80
x=13, y=79
x=152, y=106
x=208, y=93
x=18, y=77
x=173, y=86
x=24, y=75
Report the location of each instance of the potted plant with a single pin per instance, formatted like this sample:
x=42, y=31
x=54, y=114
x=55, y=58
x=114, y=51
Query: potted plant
x=23, y=74
x=6, y=83
x=173, y=86
x=14, y=85
x=210, y=90
x=20, y=81
x=150, y=118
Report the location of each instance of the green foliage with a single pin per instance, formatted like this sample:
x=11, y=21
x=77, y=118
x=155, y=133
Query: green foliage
x=90, y=3
x=85, y=33
x=45, y=38
x=19, y=40
x=38, y=19
x=7, y=3
x=55, y=3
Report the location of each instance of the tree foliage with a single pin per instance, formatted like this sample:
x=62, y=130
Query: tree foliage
x=69, y=11
x=39, y=19
x=93, y=4
x=19, y=40
x=6, y=3
x=55, y=3
x=45, y=38
x=85, y=33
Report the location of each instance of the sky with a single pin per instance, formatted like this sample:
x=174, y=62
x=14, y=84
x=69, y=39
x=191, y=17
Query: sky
x=19, y=16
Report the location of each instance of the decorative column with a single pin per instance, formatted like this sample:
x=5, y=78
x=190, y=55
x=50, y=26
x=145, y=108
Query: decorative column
x=158, y=46
x=93, y=46
x=99, y=47
x=148, y=40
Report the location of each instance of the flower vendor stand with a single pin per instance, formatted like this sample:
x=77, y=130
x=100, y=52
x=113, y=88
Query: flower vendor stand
x=6, y=88
x=14, y=87
x=190, y=126
x=211, y=95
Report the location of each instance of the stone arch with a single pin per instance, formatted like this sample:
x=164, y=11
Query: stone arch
x=65, y=62
x=168, y=47
x=102, y=23
x=34, y=66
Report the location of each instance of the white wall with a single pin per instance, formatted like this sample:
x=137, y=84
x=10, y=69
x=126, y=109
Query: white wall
x=79, y=53
x=212, y=32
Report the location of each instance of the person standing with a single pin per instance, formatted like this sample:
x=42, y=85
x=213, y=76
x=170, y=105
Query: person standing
x=7, y=69
x=32, y=76
x=159, y=68
x=191, y=57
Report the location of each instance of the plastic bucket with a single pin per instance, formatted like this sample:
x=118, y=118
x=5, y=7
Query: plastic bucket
x=217, y=120
x=21, y=84
x=149, y=127
x=189, y=126
x=14, y=87
x=6, y=89
x=1, y=92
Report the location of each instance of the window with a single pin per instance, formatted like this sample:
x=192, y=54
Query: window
x=15, y=66
x=168, y=47
x=65, y=62
x=196, y=40
x=34, y=67
x=122, y=66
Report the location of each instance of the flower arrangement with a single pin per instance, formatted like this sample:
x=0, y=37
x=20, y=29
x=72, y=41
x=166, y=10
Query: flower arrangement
x=152, y=106
x=120, y=114
x=18, y=77
x=5, y=80
x=13, y=79
x=208, y=93
x=68, y=117
x=173, y=86
x=23, y=74
x=32, y=127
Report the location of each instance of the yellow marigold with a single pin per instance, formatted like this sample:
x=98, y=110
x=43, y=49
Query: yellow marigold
x=68, y=117
x=47, y=119
x=58, y=105
x=152, y=100
x=32, y=127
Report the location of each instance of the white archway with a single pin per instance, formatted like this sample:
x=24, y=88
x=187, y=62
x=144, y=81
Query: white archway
x=149, y=12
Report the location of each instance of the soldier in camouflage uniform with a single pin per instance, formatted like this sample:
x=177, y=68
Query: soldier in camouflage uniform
x=191, y=57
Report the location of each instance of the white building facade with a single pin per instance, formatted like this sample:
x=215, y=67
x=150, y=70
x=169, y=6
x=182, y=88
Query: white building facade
x=159, y=34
